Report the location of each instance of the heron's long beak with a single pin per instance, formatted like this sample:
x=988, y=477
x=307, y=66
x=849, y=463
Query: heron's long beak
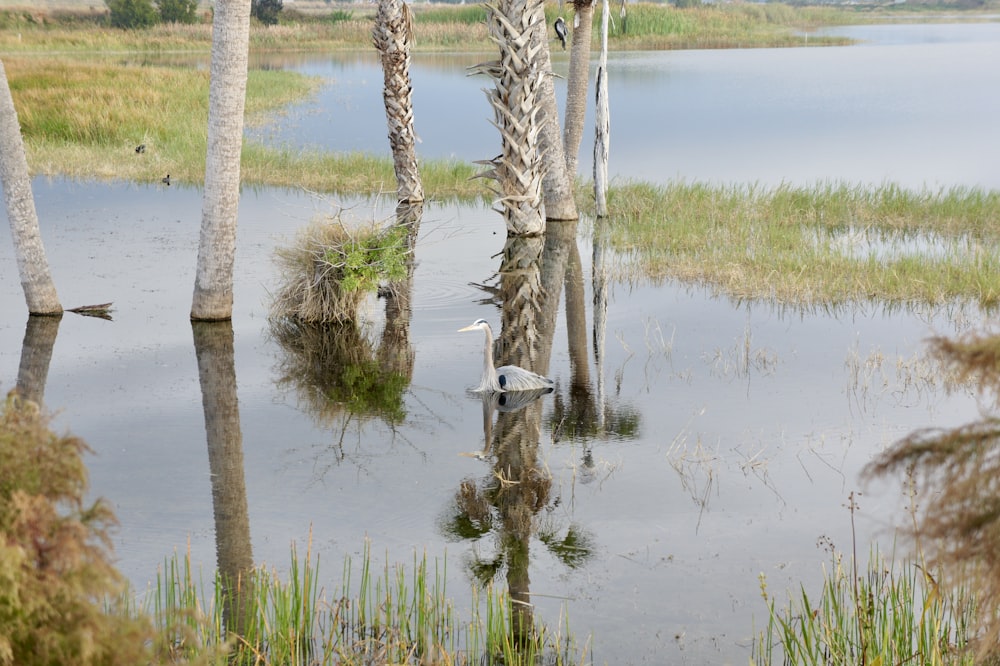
x=471, y=327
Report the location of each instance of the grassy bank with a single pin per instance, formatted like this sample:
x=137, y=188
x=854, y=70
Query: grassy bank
x=84, y=119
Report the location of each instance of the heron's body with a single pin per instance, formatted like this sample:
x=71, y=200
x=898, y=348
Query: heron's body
x=506, y=377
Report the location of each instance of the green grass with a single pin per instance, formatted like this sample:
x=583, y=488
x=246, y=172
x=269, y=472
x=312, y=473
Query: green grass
x=826, y=244
x=84, y=118
x=658, y=26
x=393, y=614
x=889, y=613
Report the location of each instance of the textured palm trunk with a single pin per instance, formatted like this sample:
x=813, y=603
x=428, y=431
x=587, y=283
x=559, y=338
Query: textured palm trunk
x=557, y=182
x=392, y=35
x=577, y=82
x=213, y=345
x=213, y=288
x=516, y=104
x=32, y=265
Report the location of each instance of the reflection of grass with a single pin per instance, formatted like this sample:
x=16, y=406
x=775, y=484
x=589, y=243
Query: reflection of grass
x=335, y=370
x=806, y=245
x=394, y=616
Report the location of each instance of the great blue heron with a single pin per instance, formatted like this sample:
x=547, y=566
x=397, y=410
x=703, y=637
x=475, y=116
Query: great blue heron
x=561, y=32
x=506, y=377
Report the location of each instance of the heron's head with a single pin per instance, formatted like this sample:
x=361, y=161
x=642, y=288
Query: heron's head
x=478, y=325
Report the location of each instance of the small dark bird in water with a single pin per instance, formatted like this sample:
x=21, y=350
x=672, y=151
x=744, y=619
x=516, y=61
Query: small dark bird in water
x=166, y=180
x=561, y=32
x=141, y=148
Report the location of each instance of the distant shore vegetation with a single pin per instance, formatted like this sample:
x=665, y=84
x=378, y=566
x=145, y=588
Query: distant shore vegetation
x=185, y=25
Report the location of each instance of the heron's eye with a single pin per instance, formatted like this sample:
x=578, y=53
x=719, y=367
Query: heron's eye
x=503, y=380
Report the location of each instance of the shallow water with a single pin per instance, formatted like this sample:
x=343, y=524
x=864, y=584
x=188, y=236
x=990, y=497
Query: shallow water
x=734, y=432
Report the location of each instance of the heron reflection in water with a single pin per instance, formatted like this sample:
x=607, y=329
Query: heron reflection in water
x=506, y=377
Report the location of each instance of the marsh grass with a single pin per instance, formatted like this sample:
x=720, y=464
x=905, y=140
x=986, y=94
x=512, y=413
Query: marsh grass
x=662, y=26
x=827, y=244
x=394, y=614
x=890, y=613
x=885, y=612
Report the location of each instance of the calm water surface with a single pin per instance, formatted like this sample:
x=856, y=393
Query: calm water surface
x=741, y=428
x=911, y=104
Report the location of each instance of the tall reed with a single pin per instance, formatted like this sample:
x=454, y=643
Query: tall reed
x=392, y=614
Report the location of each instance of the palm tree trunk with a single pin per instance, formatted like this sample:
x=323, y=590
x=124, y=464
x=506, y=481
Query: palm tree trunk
x=32, y=265
x=213, y=288
x=392, y=36
x=577, y=82
x=515, y=100
x=557, y=182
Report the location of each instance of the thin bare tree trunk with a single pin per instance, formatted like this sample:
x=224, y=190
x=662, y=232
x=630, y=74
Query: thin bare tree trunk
x=32, y=265
x=392, y=35
x=515, y=100
x=602, y=116
x=577, y=82
x=213, y=288
x=557, y=182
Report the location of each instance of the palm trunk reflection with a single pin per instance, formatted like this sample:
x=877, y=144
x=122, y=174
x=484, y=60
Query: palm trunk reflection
x=213, y=344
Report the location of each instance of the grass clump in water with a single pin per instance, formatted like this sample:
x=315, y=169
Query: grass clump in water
x=331, y=268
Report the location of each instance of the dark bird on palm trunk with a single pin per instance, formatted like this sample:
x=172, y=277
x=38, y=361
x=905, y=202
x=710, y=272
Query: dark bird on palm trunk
x=506, y=377
x=561, y=32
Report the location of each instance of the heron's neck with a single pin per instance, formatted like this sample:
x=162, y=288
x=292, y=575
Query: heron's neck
x=489, y=380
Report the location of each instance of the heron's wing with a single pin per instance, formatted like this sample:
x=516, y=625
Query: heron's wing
x=513, y=378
